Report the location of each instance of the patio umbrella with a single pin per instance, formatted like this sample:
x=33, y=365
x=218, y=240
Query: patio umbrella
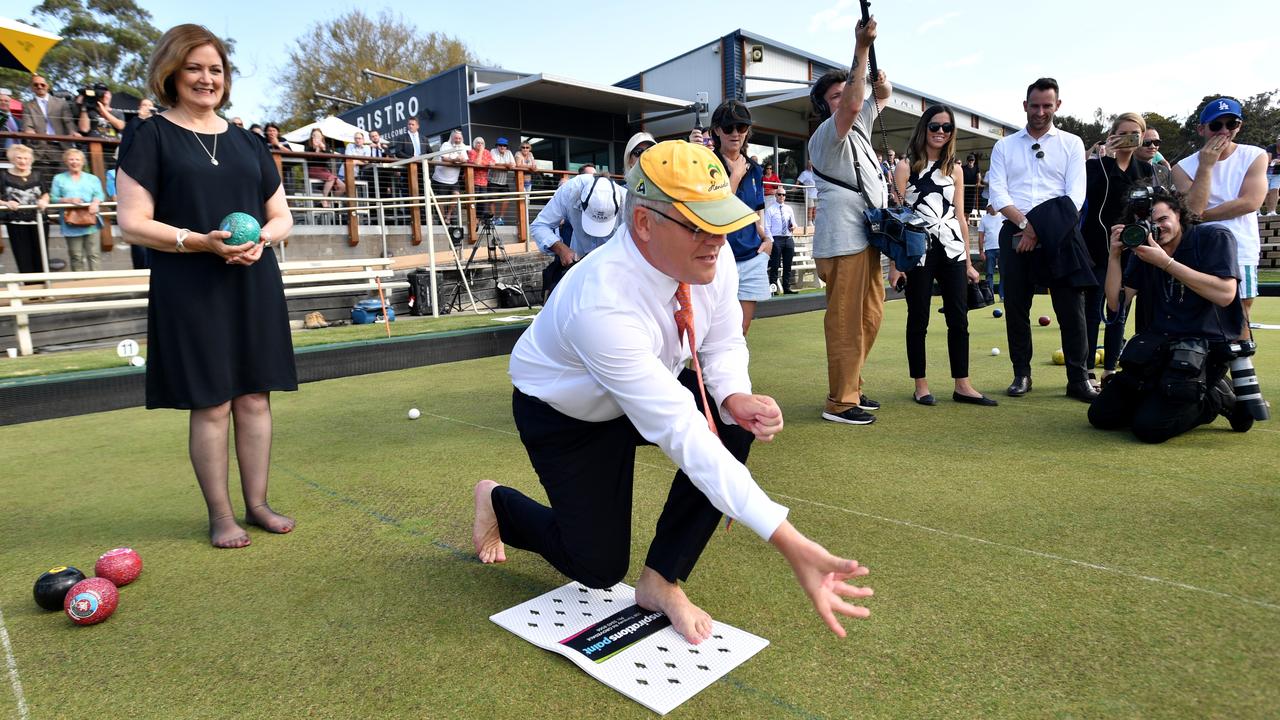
x=332, y=127
x=22, y=46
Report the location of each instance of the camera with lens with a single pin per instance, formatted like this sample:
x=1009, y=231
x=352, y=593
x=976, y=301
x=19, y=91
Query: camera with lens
x=1137, y=213
x=87, y=99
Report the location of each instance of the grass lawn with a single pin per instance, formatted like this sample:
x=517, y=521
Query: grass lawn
x=1025, y=565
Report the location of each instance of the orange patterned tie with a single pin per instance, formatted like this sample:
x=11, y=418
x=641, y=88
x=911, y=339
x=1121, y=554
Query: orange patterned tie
x=684, y=328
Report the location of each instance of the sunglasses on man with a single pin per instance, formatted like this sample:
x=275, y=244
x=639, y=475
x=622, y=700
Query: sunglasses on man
x=944, y=127
x=1229, y=123
x=735, y=127
x=1039, y=152
x=1151, y=143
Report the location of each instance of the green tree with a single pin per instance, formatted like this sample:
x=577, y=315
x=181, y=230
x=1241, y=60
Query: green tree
x=329, y=56
x=1173, y=145
x=1089, y=131
x=107, y=41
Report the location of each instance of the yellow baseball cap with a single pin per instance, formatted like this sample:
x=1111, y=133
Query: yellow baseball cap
x=691, y=178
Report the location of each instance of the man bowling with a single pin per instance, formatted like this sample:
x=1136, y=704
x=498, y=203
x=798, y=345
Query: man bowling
x=602, y=370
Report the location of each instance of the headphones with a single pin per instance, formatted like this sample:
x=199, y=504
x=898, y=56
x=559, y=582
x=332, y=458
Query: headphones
x=820, y=107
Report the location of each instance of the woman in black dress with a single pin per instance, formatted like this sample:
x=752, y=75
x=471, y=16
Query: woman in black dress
x=21, y=185
x=217, y=325
x=932, y=184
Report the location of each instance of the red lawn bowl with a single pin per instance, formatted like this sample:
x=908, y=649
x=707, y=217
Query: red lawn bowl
x=91, y=601
x=120, y=565
x=1044, y=320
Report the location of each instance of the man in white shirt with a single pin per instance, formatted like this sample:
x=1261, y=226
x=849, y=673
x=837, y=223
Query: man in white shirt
x=810, y=183
x=601, y=370
x=448, y=172
x=780, y=222
x=1035, y=167
x=989, y=241
x=1225, y=183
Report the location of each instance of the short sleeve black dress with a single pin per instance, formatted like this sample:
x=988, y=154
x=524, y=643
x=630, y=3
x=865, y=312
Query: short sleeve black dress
x=214, y=331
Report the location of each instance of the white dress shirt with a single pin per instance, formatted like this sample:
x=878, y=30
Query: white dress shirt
x=605, y=346
x=1017, y=177
x=778, y=220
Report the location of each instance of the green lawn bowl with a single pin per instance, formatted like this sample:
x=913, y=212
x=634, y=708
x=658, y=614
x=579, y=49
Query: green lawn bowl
x=244, y=228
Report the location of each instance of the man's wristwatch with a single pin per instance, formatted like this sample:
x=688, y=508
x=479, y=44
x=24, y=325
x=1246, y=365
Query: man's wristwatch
x=1022, y=225
x=180, y=239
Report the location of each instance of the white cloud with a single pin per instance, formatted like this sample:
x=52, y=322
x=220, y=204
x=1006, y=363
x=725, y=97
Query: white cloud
x=835, y=17
x=935, y=23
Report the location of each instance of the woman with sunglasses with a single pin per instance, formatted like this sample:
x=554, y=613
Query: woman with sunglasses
x=931, y=183
x=731, y=128
x=1108, y=179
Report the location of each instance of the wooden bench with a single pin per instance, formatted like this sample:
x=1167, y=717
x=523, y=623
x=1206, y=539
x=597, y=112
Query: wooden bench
x=301, y=278
x=802, y=264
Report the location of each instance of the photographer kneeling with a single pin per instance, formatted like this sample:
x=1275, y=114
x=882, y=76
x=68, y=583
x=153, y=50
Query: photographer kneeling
x=1172, y=376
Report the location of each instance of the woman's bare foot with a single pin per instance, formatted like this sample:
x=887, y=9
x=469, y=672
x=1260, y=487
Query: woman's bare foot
x=484, y=531
x=224, y=532
x=268, y=519
x=653, y=592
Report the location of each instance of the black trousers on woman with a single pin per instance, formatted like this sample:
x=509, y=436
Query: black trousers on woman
x=587, y=470
x=950, y=275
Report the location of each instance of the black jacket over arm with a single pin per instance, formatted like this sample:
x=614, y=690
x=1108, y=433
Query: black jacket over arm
x=1064, y=260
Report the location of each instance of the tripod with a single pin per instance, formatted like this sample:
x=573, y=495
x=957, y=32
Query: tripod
x=497, y=257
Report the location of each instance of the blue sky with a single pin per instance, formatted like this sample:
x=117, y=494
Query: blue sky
x=1147, y=57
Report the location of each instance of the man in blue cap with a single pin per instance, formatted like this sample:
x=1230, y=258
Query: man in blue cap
x=500, y=176
x=1225, y=184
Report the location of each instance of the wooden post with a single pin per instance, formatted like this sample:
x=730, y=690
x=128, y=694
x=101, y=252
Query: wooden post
x=353, y=222
x=413, y=211
x=470, y=187
x=522, y=207
x=99, y=168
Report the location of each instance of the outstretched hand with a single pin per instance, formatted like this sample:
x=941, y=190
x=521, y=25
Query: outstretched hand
x=823, y=577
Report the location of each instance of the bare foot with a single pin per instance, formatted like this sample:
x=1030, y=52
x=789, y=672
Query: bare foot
x=653, y=592
x=224, y=532
x=268, y=519
x=484, y=531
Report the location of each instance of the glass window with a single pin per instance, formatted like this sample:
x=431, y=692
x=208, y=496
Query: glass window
x=790, y=158
x=596, y=152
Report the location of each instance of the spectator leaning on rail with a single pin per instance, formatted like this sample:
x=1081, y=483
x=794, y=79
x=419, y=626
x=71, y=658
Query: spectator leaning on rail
x=526, y=162
x=8, y=122
x=1172, y=376
x=845, y=261
x=500, y=176
x=80, y=226
x=448, y=172
x=1225, y=184
x=22, y=184
x=808, y=180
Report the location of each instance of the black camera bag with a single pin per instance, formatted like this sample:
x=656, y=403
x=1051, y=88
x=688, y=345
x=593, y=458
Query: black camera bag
x=1184, y=373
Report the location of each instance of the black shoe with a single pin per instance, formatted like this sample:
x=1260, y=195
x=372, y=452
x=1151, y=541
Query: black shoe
x=1082, y=391
x=867, y=403
x=982, y=400
x=1240, y=418
x=1020, y=386
x=927, y=399
x=852, y=416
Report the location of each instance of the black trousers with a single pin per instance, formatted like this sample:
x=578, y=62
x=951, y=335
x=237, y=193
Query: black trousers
x=587, y=470
x=1017, y=274
x=1135, y=400
x=784, y=251
x=950, y=275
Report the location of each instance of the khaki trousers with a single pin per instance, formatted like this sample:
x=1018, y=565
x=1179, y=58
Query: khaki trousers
x=855, y=308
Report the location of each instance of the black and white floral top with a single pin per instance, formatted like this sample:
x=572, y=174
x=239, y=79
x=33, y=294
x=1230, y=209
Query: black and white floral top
x=931, y=195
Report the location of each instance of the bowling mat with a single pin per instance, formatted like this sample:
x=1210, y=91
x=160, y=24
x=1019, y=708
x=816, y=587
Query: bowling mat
x=1261, y=326
x=632, y=650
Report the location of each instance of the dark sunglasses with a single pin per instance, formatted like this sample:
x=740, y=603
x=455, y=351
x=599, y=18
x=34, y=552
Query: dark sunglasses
x=1229, y=123
x=640, y=150
x=736, y=127
x=1151, y=143
x=944, y=127
x=1039, y=152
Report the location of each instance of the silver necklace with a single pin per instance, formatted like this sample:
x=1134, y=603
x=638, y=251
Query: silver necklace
x=212, y=155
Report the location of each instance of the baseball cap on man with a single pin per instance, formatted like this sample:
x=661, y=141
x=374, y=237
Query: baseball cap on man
x=691, y=178
x=502, y=141
x=601, y=206
x=1218, y=107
